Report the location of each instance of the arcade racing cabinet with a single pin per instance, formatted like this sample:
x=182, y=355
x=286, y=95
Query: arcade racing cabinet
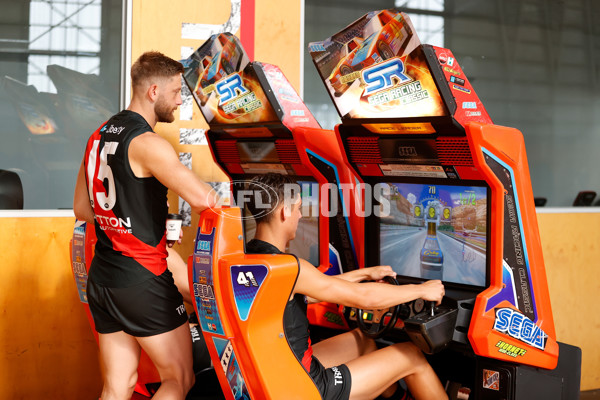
x=259, y=124
x=452, y=200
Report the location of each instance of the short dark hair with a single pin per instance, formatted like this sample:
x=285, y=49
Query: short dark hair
x=153, y=64
x=269, y=189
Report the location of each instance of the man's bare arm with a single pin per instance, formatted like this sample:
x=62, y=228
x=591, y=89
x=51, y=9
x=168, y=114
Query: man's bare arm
x=370, y=273
x=151, y=155
x=81, y=201
x=313, y=283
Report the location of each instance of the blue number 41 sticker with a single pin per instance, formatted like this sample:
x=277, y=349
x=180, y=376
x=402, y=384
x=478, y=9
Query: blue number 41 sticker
x=246, y=281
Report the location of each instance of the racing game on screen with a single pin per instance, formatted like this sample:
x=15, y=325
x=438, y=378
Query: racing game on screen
x=435, y=232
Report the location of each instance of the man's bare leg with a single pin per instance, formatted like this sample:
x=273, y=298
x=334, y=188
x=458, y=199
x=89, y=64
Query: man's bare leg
x=342, y=348
x=376, y=371
x=179, y=269
x=171, y=353
x=347, y=346
x=119, y=358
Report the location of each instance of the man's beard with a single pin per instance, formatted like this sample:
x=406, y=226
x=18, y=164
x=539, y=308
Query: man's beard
x=163, y=112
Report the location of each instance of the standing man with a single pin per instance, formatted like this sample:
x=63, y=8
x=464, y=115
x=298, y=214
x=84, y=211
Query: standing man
x=122, y=189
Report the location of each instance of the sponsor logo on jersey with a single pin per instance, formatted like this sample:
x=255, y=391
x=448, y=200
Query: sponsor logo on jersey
x=119, y=225
x=337, y=376
x=114, y=129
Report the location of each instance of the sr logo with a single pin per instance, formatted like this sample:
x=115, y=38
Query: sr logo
x=379, y=77
x=229, y=88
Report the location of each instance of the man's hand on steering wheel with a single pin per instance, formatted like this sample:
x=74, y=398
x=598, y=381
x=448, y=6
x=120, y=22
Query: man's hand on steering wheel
x=378, y=326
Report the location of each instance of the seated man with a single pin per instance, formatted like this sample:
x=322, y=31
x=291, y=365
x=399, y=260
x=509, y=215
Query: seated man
x=348, y=365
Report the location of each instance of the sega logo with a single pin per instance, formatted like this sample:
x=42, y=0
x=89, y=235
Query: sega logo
x=519, y=327
x=79, y=268
x=229, y=88
x=379, y=77
x=204, y=292
x=203, y=245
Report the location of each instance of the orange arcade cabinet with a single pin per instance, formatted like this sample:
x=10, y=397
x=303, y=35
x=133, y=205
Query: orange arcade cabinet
x=259, y=124
x=451, y=200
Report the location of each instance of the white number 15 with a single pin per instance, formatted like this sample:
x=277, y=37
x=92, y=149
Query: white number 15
x=105, y=200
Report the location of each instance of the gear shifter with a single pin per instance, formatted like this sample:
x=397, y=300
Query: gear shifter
x=433, y=328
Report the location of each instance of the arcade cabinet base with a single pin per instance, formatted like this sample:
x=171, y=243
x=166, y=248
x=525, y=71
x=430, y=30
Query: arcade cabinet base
x=496, y=380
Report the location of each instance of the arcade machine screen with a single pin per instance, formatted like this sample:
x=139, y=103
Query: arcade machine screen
x=224, y=95
x=434, y=231
x=375, y=68
x=306, y=243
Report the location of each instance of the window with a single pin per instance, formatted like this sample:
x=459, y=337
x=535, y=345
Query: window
x=60, y=69
x=535, y=66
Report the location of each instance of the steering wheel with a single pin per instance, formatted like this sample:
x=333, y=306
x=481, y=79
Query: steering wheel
x=377, y=328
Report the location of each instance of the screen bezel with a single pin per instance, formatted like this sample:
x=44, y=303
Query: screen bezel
x=372, y=226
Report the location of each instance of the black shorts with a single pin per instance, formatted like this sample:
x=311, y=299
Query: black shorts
x=149, y=308
x=333, y=383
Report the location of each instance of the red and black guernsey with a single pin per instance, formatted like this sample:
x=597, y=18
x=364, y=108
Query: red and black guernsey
x=130, y=212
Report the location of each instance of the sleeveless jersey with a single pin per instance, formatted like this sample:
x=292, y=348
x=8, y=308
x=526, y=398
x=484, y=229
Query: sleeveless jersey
x=130, y=212
x=295, y=321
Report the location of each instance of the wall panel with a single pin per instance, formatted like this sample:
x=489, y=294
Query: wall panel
x=571, y=246
x=47, y=349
